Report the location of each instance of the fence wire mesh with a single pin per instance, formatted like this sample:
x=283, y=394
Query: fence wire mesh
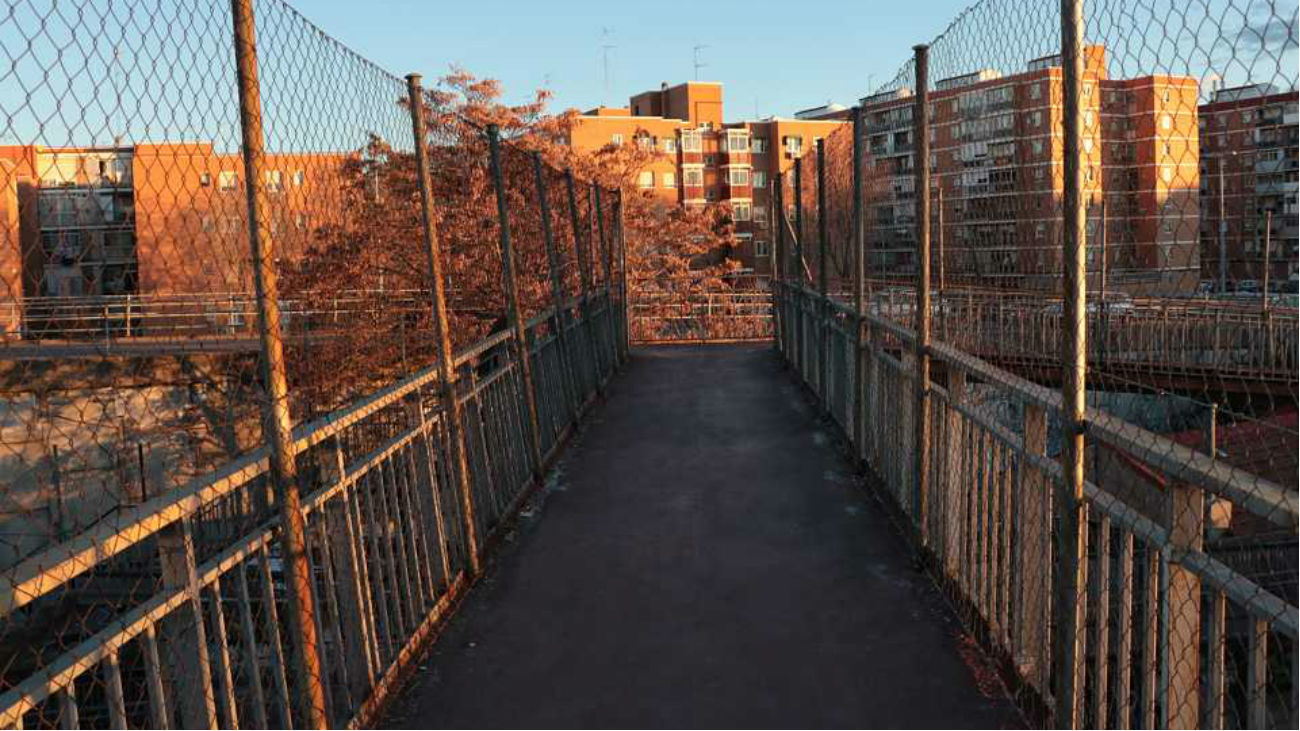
x=1163, y=592
x=242, y=481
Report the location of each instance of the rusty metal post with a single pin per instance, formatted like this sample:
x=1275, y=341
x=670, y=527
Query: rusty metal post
x=782, y=256
x=620, y=217
x=859, y=275
x=798, y=220
x=823, y=283
x=607, y=268
x=921, y=412
x=1071, y=579
x=801, y=325
x=514, y=313
x=277, y=422
x=584, y=278
x=557, y=287
x=452, y=410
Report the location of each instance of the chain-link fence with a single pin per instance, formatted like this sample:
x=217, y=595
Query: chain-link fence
x=283, y=352
x=1070, y=355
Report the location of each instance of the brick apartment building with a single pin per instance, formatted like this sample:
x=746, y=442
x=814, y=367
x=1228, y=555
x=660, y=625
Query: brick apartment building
x=703, y=159
x=157, y=219
x=997, y=162
x=1249, y=137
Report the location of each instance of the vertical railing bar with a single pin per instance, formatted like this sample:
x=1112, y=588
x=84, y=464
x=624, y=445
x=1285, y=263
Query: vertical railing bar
x=225, y=678
x=69, y=714
x=250, y=647
x=116, y=699
x=1215, y=686
x=921, y=168
x=271, y=626
x=1124, y=633
x=1101, y=624
x=1257, y=674
x=158, y=706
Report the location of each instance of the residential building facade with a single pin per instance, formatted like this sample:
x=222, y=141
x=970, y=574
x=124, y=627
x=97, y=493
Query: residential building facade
x=701, y=159
x=149, y=219
x=1248, y=170
x=997, y=159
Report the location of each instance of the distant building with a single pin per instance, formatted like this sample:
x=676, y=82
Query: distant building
x=998, y=165
x=155, y=219
x=1249, y=137
x=702, y=159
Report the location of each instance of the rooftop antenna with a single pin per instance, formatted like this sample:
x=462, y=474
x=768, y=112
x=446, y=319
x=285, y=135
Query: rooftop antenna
x=696, y=59
x=605, y=48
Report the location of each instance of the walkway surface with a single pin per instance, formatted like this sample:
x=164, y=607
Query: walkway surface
x=703, y=559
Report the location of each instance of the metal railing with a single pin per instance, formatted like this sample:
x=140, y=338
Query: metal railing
x=993, y=517
x=386, y=549
x=707, y=315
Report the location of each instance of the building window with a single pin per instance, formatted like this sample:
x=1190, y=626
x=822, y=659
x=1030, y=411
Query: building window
x=760, y=179
x=1036, y=91
x=1040, y=231
x=645, y=142
x=692, y=177
x=759, y=145
x=227, y=180
x=1038, y=147
x=1036, y=119
x=740, y=211
x=646, y=179
x=737, y=141
x=299, y=178
x=761, y=248
x=1245, y=116
x=738, y=176
x=616, y=140
x=760, y=215
x=670, y=180
x=274, y=181
x=205, y=179
x=670, y=145
x=691, y=141
x=793, y=145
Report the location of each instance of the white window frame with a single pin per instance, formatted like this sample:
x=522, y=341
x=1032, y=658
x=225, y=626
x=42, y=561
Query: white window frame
x=616, y=139
x=759, y=178
x=227, y=180
x=737, y=176
x=692, y=141
x=742, y=211
x=669, y=180
x=670, y=145
x=645, y=179
x=737, y=140
x=693, y=172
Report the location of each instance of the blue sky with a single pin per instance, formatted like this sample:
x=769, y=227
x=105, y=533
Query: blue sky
x=776, y=60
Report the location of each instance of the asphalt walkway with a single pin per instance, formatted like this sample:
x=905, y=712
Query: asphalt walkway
x=703, y=558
